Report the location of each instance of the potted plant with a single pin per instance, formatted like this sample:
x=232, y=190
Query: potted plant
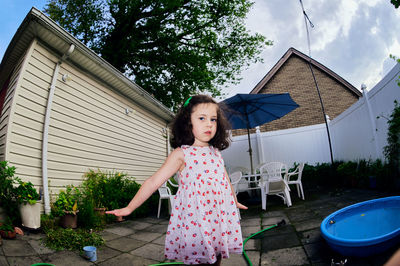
x=7, y=229
x=94, y=185
x=66, y=207
x=29, y=207
x=8, y=204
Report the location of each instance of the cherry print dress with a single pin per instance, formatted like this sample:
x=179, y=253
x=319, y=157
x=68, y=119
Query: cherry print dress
x=204, y=221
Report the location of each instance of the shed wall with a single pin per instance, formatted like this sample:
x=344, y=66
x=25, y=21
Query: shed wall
x=89, y=128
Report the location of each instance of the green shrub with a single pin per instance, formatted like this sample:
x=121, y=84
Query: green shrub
x=26, y=192
x=87, y=218
x=69, y=239
x=114, y=190
x=67, y=201
x=7, y=192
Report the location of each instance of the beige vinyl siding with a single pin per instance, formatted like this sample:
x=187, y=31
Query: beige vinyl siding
x=5, y=113
x=88, y=127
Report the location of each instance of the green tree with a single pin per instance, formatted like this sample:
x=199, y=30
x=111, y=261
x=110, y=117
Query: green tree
x=171, y=48
x=396, y=3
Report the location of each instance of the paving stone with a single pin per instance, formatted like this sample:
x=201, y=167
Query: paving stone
x=285, y=229
x=150, y=251
x=22, y=261
x=137, y=225
x=66, y=258
x=145, y=236
x=268, y=221
x=39, y=247
x=1, y=250
x=107, y=236
x=120, y=230
x=307, y=225
x=311, y=236
x=274, y=242
x=274, y=214
x=160, y=240
x=234, y=260
x=300, y=214
x=249, y=230
x=253, y=244
x=286, y=256
x=157, y=228
x=126, y=259
x=254, y=257
x=151, y=220
x=105, y=253
x=324, y=212
x=125, y=244
x=17, y=247
x=164, y=222
x=3, y=261
x=250, y=222
x=320, y=252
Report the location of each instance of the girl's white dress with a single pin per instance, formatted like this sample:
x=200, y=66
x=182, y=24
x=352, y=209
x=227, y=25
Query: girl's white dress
x=204, y=221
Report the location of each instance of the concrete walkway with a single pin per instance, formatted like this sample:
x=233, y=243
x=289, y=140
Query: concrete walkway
x=141, y=241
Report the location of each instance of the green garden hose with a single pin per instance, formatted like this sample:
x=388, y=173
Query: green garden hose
x=253, y=235
x=244, y=243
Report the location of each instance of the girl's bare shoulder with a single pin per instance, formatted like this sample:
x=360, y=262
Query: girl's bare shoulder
x=177, y=153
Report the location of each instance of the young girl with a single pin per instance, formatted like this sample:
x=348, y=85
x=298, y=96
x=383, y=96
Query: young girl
x=204, y=225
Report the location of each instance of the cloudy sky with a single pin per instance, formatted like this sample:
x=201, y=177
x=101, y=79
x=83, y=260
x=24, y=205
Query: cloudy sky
x=351, y=37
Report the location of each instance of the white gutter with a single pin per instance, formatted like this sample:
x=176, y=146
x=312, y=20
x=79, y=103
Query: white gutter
x=46, y=130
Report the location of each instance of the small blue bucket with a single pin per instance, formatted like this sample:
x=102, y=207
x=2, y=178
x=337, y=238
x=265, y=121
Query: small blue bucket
x=90, y=253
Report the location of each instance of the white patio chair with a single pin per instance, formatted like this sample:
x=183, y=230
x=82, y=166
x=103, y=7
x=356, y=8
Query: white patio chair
x=291, y=181
x=235, y=179
x=176, y=179
x=273, y=183
x=165, y=193
x=244, y=183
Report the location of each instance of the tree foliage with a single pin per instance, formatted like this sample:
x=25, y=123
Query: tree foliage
x=396, y=3
x=171, y=48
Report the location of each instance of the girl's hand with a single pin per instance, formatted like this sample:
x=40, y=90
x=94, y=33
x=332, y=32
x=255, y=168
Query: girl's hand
x=120, y=212
x=241, y=206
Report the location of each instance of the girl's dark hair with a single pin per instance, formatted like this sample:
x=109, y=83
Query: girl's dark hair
x=181, y=126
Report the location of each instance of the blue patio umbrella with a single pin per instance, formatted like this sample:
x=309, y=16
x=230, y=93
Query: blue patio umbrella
x=245, y=111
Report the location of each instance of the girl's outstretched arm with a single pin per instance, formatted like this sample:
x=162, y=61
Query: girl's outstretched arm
x=239, y=205
x=171, y=165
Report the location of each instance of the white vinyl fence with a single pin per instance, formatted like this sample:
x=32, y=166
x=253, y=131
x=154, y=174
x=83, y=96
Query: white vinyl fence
x=356, y=134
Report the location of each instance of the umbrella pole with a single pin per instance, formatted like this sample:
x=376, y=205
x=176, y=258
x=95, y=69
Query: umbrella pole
x=250, y=151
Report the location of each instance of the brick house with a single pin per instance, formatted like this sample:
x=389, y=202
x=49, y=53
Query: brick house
x=292, y=74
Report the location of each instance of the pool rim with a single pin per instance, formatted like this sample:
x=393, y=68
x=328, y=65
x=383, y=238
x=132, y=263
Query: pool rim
x=349, y=242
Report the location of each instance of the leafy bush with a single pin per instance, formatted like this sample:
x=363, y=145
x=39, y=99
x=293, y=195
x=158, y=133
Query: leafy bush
x=7, y=191
x=87, y=218
x=349, y=174
x=69, y=239
x=114, y=190
x=67, y=201
x=26, y=192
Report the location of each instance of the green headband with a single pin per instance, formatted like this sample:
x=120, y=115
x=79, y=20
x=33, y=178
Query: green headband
x=187, y=102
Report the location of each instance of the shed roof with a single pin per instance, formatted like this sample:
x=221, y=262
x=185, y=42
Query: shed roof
x=37, y=25
x=291, y=52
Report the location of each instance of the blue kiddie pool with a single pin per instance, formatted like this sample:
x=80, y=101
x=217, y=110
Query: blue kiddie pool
x=365, y=228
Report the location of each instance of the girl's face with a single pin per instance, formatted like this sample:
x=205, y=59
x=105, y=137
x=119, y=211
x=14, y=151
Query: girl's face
x=204, y=123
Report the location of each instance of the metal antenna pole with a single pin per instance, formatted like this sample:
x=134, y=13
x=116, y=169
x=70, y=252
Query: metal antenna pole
x=315, y=80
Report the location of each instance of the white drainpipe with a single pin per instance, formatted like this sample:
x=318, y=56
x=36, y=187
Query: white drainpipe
x=46, y=130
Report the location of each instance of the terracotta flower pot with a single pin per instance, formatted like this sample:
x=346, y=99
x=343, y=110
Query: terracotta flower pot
x=100, y=211
x=69, y=220
x=8, y=234
x=119, y=219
